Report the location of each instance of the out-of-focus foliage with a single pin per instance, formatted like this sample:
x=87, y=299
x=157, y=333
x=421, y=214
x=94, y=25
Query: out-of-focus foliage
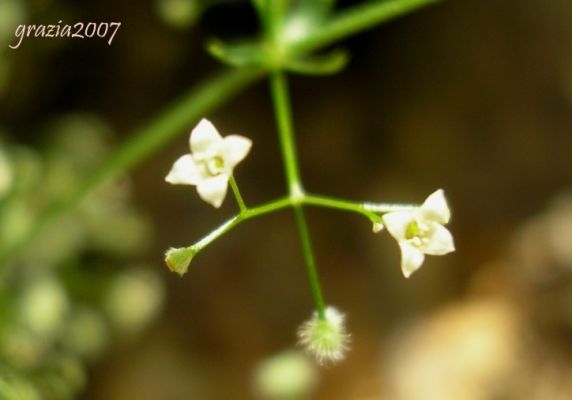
x=283, y=23
x=75, y=286
x=12, y=13
x=289, y=375
x=179, y=14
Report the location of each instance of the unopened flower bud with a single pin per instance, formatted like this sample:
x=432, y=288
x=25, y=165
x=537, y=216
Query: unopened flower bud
x=325, y=338
x=178, y=260
x=377, y=227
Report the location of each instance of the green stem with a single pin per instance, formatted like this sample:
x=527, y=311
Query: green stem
x=281, y=100
x=289, y=202
x=267, y=208
x=310, y=261
x=280, y=95
x=237, y=195
x=218, y=232
x=355, y=19
x=245, y=214
x=344, y=205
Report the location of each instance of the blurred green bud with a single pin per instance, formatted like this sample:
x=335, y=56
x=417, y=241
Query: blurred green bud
x=297, y=26
x=134, y=299
x=179, y=14
x=285, y=376
x=178, y=260
x=43, y=306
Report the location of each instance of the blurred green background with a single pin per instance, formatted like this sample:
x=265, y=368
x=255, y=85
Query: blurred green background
x=474, y=97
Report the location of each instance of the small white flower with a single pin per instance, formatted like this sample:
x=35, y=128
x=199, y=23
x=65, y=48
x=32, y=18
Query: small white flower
x=326, y=339
x=211, y=162
x=420, y=231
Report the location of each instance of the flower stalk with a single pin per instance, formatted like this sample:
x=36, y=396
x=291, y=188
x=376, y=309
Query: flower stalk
x=237, y=195
x=281, y=100
x=282, y=203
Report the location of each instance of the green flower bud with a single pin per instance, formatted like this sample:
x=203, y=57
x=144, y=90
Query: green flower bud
x=178, y=260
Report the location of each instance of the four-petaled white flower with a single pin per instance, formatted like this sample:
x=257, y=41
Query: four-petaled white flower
x=420, y=231
x=211, y=162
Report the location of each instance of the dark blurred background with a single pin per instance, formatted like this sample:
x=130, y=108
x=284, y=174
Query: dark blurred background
x=474, y=97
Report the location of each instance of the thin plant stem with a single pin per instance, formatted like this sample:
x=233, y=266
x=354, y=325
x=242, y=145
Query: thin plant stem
x=289, y=202
x=268, y=208
x=218, y=232
x=281, y=100
x=237, y=195
x=353, y=20
x=344, y=205
x=310, y=261
x=243, y=215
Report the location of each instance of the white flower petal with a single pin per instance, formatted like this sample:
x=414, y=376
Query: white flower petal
x=203, y=137
x=213, y=190
x=185, y=172
x=234, y=149
x=397, y=222
x=435, y=208
x=440, y=242
x=411, y=259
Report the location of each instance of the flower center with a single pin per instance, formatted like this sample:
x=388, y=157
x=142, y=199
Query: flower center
x=214, y=165
x=417, y=234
